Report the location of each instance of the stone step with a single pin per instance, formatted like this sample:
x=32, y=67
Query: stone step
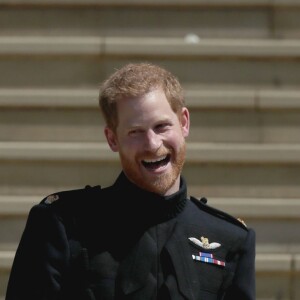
x=264, y=115
x=55, y=71
x=229, y=18
x=6, y=259
x=197, y=97
x=188, y=46
x=84, y=65
x=214, y=170
x=168, y=3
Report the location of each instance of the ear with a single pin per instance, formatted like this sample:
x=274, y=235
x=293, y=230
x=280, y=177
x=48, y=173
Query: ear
x=111, y=139
x=185, y=121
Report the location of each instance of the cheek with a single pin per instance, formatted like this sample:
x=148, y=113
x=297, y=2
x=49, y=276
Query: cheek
x=176, y=139
x=134, y=141
x=129, y=146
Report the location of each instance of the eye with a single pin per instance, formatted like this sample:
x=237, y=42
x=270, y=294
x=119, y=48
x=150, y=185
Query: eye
x=134, y=132
x=162, y=127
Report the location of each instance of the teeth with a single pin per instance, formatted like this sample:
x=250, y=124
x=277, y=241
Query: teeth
x=155, y=160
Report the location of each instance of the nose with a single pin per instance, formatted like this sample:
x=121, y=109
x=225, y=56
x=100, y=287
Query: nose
x=152, y=140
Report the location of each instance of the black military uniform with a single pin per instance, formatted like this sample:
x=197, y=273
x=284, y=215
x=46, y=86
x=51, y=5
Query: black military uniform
x=122, y=242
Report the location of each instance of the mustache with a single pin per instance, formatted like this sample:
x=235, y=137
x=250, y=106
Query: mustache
x=160, y=152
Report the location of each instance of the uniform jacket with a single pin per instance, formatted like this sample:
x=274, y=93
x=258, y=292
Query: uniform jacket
x=121, y=242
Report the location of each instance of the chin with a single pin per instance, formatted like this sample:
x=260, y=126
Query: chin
x=163, y=184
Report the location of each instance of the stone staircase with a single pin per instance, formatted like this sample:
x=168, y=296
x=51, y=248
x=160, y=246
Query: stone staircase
x=239, y=64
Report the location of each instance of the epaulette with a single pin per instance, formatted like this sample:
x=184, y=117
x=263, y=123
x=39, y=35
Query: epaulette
x=202, y=204
x=52, y=198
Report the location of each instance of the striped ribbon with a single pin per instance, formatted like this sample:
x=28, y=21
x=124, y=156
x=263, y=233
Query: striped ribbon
x=208, y=258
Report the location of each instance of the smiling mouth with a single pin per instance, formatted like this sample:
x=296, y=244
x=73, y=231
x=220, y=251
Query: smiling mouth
x=153, y=164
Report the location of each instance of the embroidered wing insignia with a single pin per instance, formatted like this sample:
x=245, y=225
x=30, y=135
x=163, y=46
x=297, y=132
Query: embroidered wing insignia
x=204, y=243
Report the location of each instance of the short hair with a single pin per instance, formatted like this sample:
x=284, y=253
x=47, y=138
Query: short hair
x=134, y=80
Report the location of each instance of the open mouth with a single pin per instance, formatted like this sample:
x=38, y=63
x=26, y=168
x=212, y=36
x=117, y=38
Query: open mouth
x=153, y=164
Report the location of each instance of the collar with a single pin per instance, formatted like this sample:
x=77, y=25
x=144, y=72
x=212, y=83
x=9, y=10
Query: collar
x=162, y=208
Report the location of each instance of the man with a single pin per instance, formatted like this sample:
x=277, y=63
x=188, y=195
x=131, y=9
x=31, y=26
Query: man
x=143, y=237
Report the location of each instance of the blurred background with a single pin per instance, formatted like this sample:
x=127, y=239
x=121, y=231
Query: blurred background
x=239, y=62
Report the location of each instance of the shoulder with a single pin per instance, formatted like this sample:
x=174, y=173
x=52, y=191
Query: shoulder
x=61, y=197
x=70, y=194
x=219, y=214
x=67, y=201
x=64, y=206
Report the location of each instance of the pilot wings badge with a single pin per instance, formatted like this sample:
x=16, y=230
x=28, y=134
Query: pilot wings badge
x=204, y=243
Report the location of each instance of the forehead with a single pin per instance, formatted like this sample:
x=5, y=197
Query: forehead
x=149, y=106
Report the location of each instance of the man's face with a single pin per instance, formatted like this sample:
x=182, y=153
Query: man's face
x=150, y=139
